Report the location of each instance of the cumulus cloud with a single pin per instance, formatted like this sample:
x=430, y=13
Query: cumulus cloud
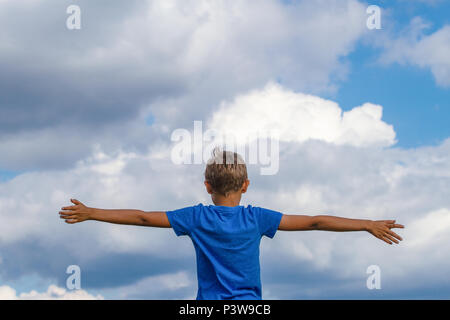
x=161, y=58
x=179, y=285
x=75, y=112
x=53, y=293
x=430, y=229
x=315, y=177
x=417, y=48
x=298, y=117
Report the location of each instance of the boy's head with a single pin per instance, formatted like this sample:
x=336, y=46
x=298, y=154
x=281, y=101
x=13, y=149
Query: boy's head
x=226, y=173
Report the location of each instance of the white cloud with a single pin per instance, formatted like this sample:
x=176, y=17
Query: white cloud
x=417, y=48
x=210, y=51
x=174, y=59
x=431, y=229
x=321, y=176
x=53, y=293
x=179, y=285
x=298, y=117
x=302, y=45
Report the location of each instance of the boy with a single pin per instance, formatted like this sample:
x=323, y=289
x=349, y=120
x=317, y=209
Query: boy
x=226, y=236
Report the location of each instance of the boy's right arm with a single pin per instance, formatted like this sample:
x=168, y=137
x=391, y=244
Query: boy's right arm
x=79, y=213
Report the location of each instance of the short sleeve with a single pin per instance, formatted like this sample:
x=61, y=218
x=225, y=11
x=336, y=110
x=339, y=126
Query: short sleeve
x=181, y=220
x=269, y=221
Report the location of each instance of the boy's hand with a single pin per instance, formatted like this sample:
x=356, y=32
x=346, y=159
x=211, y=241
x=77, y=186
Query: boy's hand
x=76, y=213
x=382, y=230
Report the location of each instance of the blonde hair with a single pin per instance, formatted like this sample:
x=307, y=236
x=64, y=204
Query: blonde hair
x=225, y=171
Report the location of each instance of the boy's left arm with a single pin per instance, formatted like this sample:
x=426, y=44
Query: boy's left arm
x=79, y=213
x=380, y=229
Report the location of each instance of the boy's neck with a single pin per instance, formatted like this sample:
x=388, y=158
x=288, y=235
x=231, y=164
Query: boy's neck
x=232, y=200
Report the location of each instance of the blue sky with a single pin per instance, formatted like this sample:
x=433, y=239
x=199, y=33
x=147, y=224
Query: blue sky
x=411, y=99
x=413, y=102
x=89, y=113
x=7, y=175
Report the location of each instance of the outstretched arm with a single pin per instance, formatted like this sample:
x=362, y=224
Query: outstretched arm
x=79, y=213
x=380, y=229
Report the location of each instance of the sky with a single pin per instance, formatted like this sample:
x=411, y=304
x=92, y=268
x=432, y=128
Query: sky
x=362, y=117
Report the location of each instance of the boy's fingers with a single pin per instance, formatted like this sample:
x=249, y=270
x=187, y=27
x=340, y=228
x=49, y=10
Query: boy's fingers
x=68, y=208
x=385, y=240
x=71, y=221
x=391, y=238
x=75, y=201
x=68, y=212
x=392, y=233
x=389, y=222
x=394, y=225
x=65, y=216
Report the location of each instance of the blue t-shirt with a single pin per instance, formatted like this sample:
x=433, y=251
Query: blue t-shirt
x=226, y=241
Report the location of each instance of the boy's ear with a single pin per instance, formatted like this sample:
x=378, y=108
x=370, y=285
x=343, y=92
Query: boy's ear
x=208, y=187
x=245, y=186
